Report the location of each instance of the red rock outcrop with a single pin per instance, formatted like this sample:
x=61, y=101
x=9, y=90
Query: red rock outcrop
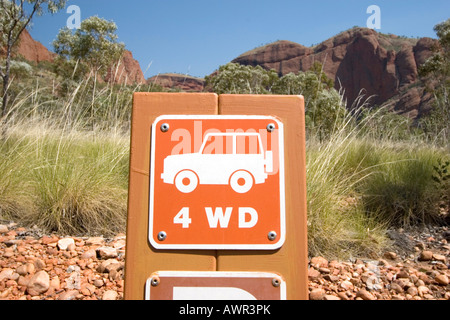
x=33, y=50
x=384, y=66
x=282, y=56
x=178, y=81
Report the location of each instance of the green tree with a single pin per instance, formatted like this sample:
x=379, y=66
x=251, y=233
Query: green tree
x=91, y=48
x=14, y=19
x=234, y=78
x=87, y=53
x=435, y=72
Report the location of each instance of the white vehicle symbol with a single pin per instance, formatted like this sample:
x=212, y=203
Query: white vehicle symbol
x=238, y=169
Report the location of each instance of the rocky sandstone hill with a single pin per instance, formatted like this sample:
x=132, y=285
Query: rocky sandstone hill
x=33, y=50
x=385, y=66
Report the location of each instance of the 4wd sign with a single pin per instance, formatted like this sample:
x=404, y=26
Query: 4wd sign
x=217, y=182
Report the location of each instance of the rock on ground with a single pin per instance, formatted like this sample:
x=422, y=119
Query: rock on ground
x=40, y=267
x=49, y=267
x=421, y=274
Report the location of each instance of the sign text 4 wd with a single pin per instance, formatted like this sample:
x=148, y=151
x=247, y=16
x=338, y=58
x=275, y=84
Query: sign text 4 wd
x=217, y=182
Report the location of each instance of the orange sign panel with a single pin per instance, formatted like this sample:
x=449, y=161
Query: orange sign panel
x=217, y=182
x=196, y=285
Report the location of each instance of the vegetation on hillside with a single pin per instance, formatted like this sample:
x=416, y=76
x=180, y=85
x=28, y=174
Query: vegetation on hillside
x=323, y=104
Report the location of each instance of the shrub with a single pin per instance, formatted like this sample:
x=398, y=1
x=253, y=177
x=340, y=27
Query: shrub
x=234, y=78
x=402, y=191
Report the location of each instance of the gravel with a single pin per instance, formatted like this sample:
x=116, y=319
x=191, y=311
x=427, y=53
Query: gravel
x=416, y=269
x=34, y=266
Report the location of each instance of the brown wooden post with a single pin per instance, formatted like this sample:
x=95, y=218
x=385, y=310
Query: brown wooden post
x=291, y=261
x=141, y=259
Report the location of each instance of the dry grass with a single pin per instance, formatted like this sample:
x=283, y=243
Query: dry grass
x=74, y=182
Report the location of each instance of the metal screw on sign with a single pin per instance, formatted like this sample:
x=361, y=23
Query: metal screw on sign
x=162, y=236
x=270, y=127
x=155, y=281
x=165, y=127
x=276, y=282
x=272, y=235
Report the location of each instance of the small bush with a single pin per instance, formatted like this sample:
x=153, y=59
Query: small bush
x=234, y=78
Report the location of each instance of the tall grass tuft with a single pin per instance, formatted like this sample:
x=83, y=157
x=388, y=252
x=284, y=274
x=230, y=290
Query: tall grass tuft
x=14, y=200
x=337, y=223
x=62, y=167
x=75, y=181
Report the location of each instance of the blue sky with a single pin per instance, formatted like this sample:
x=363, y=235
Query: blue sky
x=195, y=37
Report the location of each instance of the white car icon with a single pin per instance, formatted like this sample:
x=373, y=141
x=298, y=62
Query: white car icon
x=238, y=169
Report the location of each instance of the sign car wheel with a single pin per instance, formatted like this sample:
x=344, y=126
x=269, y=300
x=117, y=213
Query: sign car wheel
x=186, y=181
x=241, y=181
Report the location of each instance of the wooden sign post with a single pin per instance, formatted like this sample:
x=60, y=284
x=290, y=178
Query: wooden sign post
x=217, y=194
x=217, y=182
